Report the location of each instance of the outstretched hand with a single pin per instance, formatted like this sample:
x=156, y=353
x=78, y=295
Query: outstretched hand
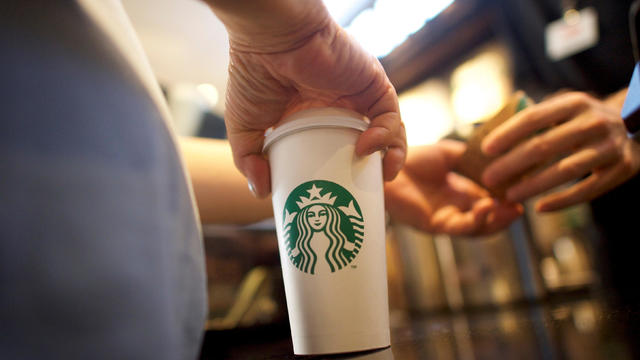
x=585, y=144
x=295, y=59
x=427, y=195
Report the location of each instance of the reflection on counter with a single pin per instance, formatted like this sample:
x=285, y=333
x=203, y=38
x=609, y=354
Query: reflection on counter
x=450, y=298
x=581, y=328
x=497, y=296
x=538, y=256
x=379, y=354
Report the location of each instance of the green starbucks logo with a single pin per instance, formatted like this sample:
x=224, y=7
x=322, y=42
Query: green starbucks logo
x=323, y=227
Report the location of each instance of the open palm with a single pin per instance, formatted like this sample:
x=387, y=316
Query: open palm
x=429, y=196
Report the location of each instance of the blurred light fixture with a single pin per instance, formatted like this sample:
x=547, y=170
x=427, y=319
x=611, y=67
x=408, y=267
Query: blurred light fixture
x=481, y=86
x=209, y=93
x=550, y=271
x=388, y=23
x=584, y=317
x=509, y=322
x=500, y=290
x=343, y=11
x=564, y=249
x=426, y=112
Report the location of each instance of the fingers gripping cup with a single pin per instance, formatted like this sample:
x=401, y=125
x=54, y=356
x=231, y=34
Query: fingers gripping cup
x=329, y=213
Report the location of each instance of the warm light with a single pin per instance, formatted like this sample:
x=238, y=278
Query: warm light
x=426, y=113
x=209, y=93
x=501, y=291
x=564, y=250
x=481, y=86
x=509, y=322
x=381, y=28
x=344, y=10
x=584, y=317
x=550, y=271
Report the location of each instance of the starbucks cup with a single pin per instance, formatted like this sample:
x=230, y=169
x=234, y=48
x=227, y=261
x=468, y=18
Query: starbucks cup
x=329, y=212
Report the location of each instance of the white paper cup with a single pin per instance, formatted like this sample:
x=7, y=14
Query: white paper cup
x=329, y=213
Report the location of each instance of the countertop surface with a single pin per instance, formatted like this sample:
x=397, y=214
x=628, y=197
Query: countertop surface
x=582, y=327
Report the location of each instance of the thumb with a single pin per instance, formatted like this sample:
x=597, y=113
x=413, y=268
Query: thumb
x=246, y=147
x=256, y=168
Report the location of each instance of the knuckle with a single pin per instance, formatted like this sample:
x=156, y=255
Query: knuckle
x=614, y=147
x=607, y=148
x=599, y=124
x=611, y=148
x=529, y=119
x=579, y=99
x=538, y=148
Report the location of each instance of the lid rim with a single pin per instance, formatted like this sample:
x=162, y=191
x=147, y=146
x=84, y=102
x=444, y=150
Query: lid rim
x=309, y=123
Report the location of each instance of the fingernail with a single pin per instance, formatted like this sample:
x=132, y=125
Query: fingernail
x=252, y=188
x=382, y=148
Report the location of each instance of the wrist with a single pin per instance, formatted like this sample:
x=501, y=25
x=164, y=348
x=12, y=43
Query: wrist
x=268, y=26
x=616, y=100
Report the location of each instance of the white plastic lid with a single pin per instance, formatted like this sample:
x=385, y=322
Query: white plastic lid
x=314, y=119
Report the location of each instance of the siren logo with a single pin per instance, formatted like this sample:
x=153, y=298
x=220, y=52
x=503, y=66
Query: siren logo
x=323, y=227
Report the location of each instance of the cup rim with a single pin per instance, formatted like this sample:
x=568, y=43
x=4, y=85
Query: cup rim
x=316, y=118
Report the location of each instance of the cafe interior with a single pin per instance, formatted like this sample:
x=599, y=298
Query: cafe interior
x=554, y=285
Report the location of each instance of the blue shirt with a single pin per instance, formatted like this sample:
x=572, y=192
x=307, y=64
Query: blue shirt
x=100, y=251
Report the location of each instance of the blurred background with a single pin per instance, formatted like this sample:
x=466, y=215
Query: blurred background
x=454, y=63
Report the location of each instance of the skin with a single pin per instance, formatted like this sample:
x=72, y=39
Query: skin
x=585, y=146
x=289, y=55
x=426, y=193
x=429, y=196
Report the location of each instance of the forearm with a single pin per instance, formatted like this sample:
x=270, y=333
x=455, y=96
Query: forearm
x=221, y=191
x=270, y=25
